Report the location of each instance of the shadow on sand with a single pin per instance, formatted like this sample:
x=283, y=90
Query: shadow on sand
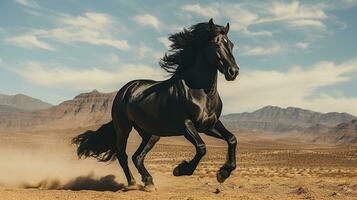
x=89, y=182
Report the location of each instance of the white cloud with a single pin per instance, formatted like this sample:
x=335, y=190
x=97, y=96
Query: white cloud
x=111, y=59
x=305, y=23
x=240, y=17
x=27, y=3
x=30, y=41
x=243, y=16
x=90, y=20
x=92, y=28
x=302, y=45
x=257, y=33
x=295, y=15
x=258, y=51
x=163, y=40
x=206, y=11
x=59, y=76
x=148, y=53
x=148, y=20
x=296, y=87
x=143, y=51
x=32, y=12
x=294, y=10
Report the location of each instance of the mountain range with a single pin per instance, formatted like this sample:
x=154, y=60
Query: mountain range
x=275, y=119
x=94, y=108
x=85, y=110
x=21, y=101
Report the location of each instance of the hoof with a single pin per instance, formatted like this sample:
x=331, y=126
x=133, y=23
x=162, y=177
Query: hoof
x=222, y=175
x=182, y=169
x=131, y=187
x=150, y=188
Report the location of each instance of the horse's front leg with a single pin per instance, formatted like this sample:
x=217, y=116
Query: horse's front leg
x=219, y=131
x=191, y=134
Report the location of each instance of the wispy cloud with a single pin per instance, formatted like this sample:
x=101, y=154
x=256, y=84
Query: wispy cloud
x=143, y=50
x=302, y=45
x=292, y=15
x=148, y=20
x=240, y=17
x=296, y=15
x=111, y=59
x=258, y=50
x=93, y=28
x=148, y=53
x=206, y=11
x=60, y=76
x=295, y=87
x=163, y=40
x=27, y=3
x=30, y=41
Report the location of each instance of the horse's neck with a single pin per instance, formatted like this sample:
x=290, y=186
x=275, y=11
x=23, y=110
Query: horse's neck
x=201, y=76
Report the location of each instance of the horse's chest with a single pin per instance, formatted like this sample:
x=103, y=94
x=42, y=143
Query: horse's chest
x=207, y=121
x=205, y=113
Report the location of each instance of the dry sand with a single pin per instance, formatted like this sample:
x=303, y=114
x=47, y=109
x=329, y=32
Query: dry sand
x=44, y=166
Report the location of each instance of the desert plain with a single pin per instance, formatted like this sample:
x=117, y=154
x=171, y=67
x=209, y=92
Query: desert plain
x=43, y=165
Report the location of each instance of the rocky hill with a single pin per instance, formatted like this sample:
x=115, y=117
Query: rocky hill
x=344, y=133
x=22, y=102
x=84, y=110
x=278, y=120
x=6, y=109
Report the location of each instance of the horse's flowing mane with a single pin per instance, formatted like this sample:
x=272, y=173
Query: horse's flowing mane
x=185, y=46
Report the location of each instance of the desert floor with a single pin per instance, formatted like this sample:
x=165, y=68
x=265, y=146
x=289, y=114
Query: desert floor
x=41, y=166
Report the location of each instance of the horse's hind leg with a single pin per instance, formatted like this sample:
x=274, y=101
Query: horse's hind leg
x=146, y=145
x=122, y=128
x=191, y=134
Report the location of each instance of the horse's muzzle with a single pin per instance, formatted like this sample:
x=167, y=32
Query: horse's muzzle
x=232, y=73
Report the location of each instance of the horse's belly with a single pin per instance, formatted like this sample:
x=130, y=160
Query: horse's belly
x=156, y=117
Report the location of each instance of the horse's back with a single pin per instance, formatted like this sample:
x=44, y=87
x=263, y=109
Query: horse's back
x=151, y=105
x=129, y=91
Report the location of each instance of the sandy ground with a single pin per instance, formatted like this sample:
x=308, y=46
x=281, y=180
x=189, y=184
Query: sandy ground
x=44, y=166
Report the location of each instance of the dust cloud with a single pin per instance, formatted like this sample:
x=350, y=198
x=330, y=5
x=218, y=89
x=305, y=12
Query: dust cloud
x=49, y=161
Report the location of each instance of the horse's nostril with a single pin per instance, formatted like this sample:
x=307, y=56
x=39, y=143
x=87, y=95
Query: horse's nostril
x=231, y=71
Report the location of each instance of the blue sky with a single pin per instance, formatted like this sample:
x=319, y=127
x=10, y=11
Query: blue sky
x=291, y=53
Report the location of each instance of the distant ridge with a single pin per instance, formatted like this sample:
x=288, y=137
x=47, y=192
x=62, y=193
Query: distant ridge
x=7, y=109
x=276, y=119
x=23, y=102
x=344, y=133
x=94, y=108
x=86, y=109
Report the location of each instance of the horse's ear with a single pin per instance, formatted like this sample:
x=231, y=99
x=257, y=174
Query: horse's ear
x=211, y=25
x=226, y=29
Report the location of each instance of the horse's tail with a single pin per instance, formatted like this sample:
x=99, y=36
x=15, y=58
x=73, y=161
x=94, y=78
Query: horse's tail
x=99, y=144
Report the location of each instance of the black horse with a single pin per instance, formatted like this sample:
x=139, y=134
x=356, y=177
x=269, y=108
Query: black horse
x=185, y=104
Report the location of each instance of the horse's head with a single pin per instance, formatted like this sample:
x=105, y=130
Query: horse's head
x=220, y=51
